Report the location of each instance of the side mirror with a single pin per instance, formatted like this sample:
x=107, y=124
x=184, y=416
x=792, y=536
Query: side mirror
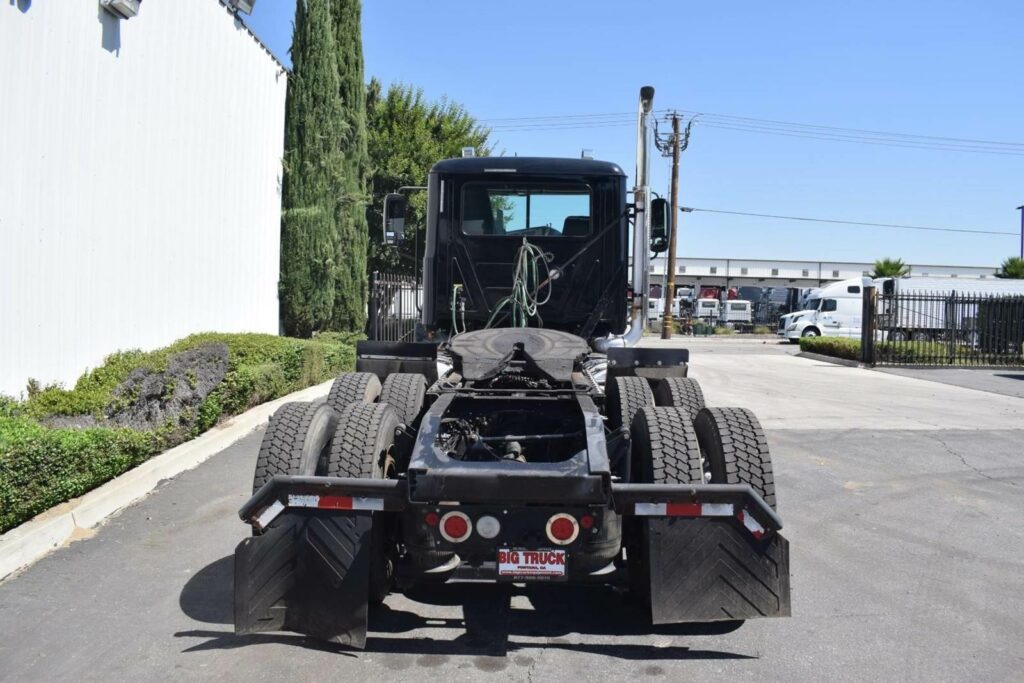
x=661, y=223
x=394, y=219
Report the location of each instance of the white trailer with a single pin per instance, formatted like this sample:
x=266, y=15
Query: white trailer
x=924, y=308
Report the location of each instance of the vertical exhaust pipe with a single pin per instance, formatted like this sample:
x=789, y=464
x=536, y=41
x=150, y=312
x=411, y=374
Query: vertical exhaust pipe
x=641, y=232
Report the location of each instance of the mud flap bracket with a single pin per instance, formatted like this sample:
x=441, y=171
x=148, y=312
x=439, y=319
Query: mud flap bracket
x=307, y=573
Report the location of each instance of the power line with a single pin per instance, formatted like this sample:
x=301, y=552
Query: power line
x=846, y=222
x=881, y=142
x=618, y=114
x=855, y=130
x=768, y=127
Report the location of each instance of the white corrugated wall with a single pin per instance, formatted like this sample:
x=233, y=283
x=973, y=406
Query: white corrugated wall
x=140, y=165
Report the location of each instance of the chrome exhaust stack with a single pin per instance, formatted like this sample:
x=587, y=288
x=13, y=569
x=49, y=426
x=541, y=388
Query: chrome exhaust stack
x=641, y=233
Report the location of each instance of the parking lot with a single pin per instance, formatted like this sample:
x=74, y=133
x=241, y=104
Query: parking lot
x=901, y=498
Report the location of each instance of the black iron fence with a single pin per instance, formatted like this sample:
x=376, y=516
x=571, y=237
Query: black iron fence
x=949, y=329
x=394, y=307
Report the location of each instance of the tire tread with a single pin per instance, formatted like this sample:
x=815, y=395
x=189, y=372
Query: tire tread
x=349, y=387
x=668, y=433
x=681, y=392
x=744, y=448
x=355, y=439
x=281, y=449
x=626, y=396
x=404, y=391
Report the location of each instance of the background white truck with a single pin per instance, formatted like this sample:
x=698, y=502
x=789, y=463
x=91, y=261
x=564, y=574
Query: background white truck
x=736, y=313
x=836, y=309
x=832, y=311
x=707, y=310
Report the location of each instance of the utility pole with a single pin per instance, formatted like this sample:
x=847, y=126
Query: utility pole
x=1021, y=209
x=667, y=325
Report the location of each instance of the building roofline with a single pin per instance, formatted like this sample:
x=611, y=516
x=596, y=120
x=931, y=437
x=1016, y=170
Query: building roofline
x=838, y=263
x=237, y=16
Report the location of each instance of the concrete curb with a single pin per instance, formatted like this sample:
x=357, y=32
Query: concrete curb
x=27, y=543
x=832, y=359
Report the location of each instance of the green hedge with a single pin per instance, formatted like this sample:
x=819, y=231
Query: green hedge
x=41, y=467
x=923, y=352
x=906, y=352
x=837, y=347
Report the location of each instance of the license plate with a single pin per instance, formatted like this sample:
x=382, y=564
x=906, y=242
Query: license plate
x=531, y=565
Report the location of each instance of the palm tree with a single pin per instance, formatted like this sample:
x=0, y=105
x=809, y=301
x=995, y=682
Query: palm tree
x=1012, y=268
x=888, y=267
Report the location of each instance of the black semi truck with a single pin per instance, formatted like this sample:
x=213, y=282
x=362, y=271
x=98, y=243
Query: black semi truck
x=523, y=437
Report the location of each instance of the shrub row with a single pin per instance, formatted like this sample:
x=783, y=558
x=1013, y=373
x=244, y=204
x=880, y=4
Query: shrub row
x=908, y=352
x=837, y=347
x=41, y=467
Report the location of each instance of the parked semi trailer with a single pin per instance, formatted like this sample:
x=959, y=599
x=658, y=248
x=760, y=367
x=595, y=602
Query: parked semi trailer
x=926, y=308
x=530, y=441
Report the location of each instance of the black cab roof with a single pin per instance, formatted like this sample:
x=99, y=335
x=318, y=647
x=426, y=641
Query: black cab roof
x=553, y=165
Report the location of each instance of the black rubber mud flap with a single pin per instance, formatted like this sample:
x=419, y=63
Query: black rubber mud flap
x=308, y=573
x=710, y=569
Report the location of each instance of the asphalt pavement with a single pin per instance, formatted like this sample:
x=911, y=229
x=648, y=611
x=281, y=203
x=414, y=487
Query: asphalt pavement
x=902, y=500
x=1005, y=381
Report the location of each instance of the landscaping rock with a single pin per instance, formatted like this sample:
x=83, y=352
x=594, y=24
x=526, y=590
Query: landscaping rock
x=150, y=400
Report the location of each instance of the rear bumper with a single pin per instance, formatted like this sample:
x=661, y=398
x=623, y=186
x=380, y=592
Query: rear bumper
x=391, y=495
x=699, y=553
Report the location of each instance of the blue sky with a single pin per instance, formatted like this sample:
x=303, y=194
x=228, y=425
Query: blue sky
x=923, y=67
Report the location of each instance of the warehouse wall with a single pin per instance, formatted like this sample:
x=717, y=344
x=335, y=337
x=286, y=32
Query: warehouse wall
x=140, y=165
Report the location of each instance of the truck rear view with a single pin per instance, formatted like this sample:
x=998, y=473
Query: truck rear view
x=522, y=439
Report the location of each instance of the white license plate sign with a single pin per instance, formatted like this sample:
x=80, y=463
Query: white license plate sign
x=543, y=565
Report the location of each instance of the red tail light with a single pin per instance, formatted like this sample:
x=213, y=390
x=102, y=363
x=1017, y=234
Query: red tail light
x=562, y=529
x=456, y=527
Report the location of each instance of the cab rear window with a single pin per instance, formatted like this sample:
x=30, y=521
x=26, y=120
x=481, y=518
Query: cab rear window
x=522, y=210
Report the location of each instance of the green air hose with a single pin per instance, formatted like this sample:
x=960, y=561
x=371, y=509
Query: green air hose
x=523, y=302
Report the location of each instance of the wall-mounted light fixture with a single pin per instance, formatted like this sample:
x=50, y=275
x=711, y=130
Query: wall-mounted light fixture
x=244, y=6
x=126, y=9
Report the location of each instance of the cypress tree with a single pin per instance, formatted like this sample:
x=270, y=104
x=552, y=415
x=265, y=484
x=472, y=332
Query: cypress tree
x=313, y=173
x=350, y=293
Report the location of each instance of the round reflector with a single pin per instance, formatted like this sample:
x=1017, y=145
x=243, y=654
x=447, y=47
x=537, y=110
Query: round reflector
x=586, y=521
x=562, y=529
x=431, y=518
x=455, y=527
x=488, y=527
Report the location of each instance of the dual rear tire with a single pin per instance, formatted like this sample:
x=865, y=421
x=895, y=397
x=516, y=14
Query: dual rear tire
x=351, y=433
x=681, y=441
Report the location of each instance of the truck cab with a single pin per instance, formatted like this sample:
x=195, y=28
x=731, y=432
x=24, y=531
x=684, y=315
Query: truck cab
x=481, y=209
x=737, y=313
x=832, y=311
x=708, y=310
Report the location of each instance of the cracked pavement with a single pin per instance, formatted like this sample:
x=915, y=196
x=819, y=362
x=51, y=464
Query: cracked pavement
x=901, y=499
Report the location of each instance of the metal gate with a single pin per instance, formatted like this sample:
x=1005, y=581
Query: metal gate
x=949, y=329
x=394, y=307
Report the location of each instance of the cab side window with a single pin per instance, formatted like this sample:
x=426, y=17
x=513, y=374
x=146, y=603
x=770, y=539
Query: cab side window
x=828, y=305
